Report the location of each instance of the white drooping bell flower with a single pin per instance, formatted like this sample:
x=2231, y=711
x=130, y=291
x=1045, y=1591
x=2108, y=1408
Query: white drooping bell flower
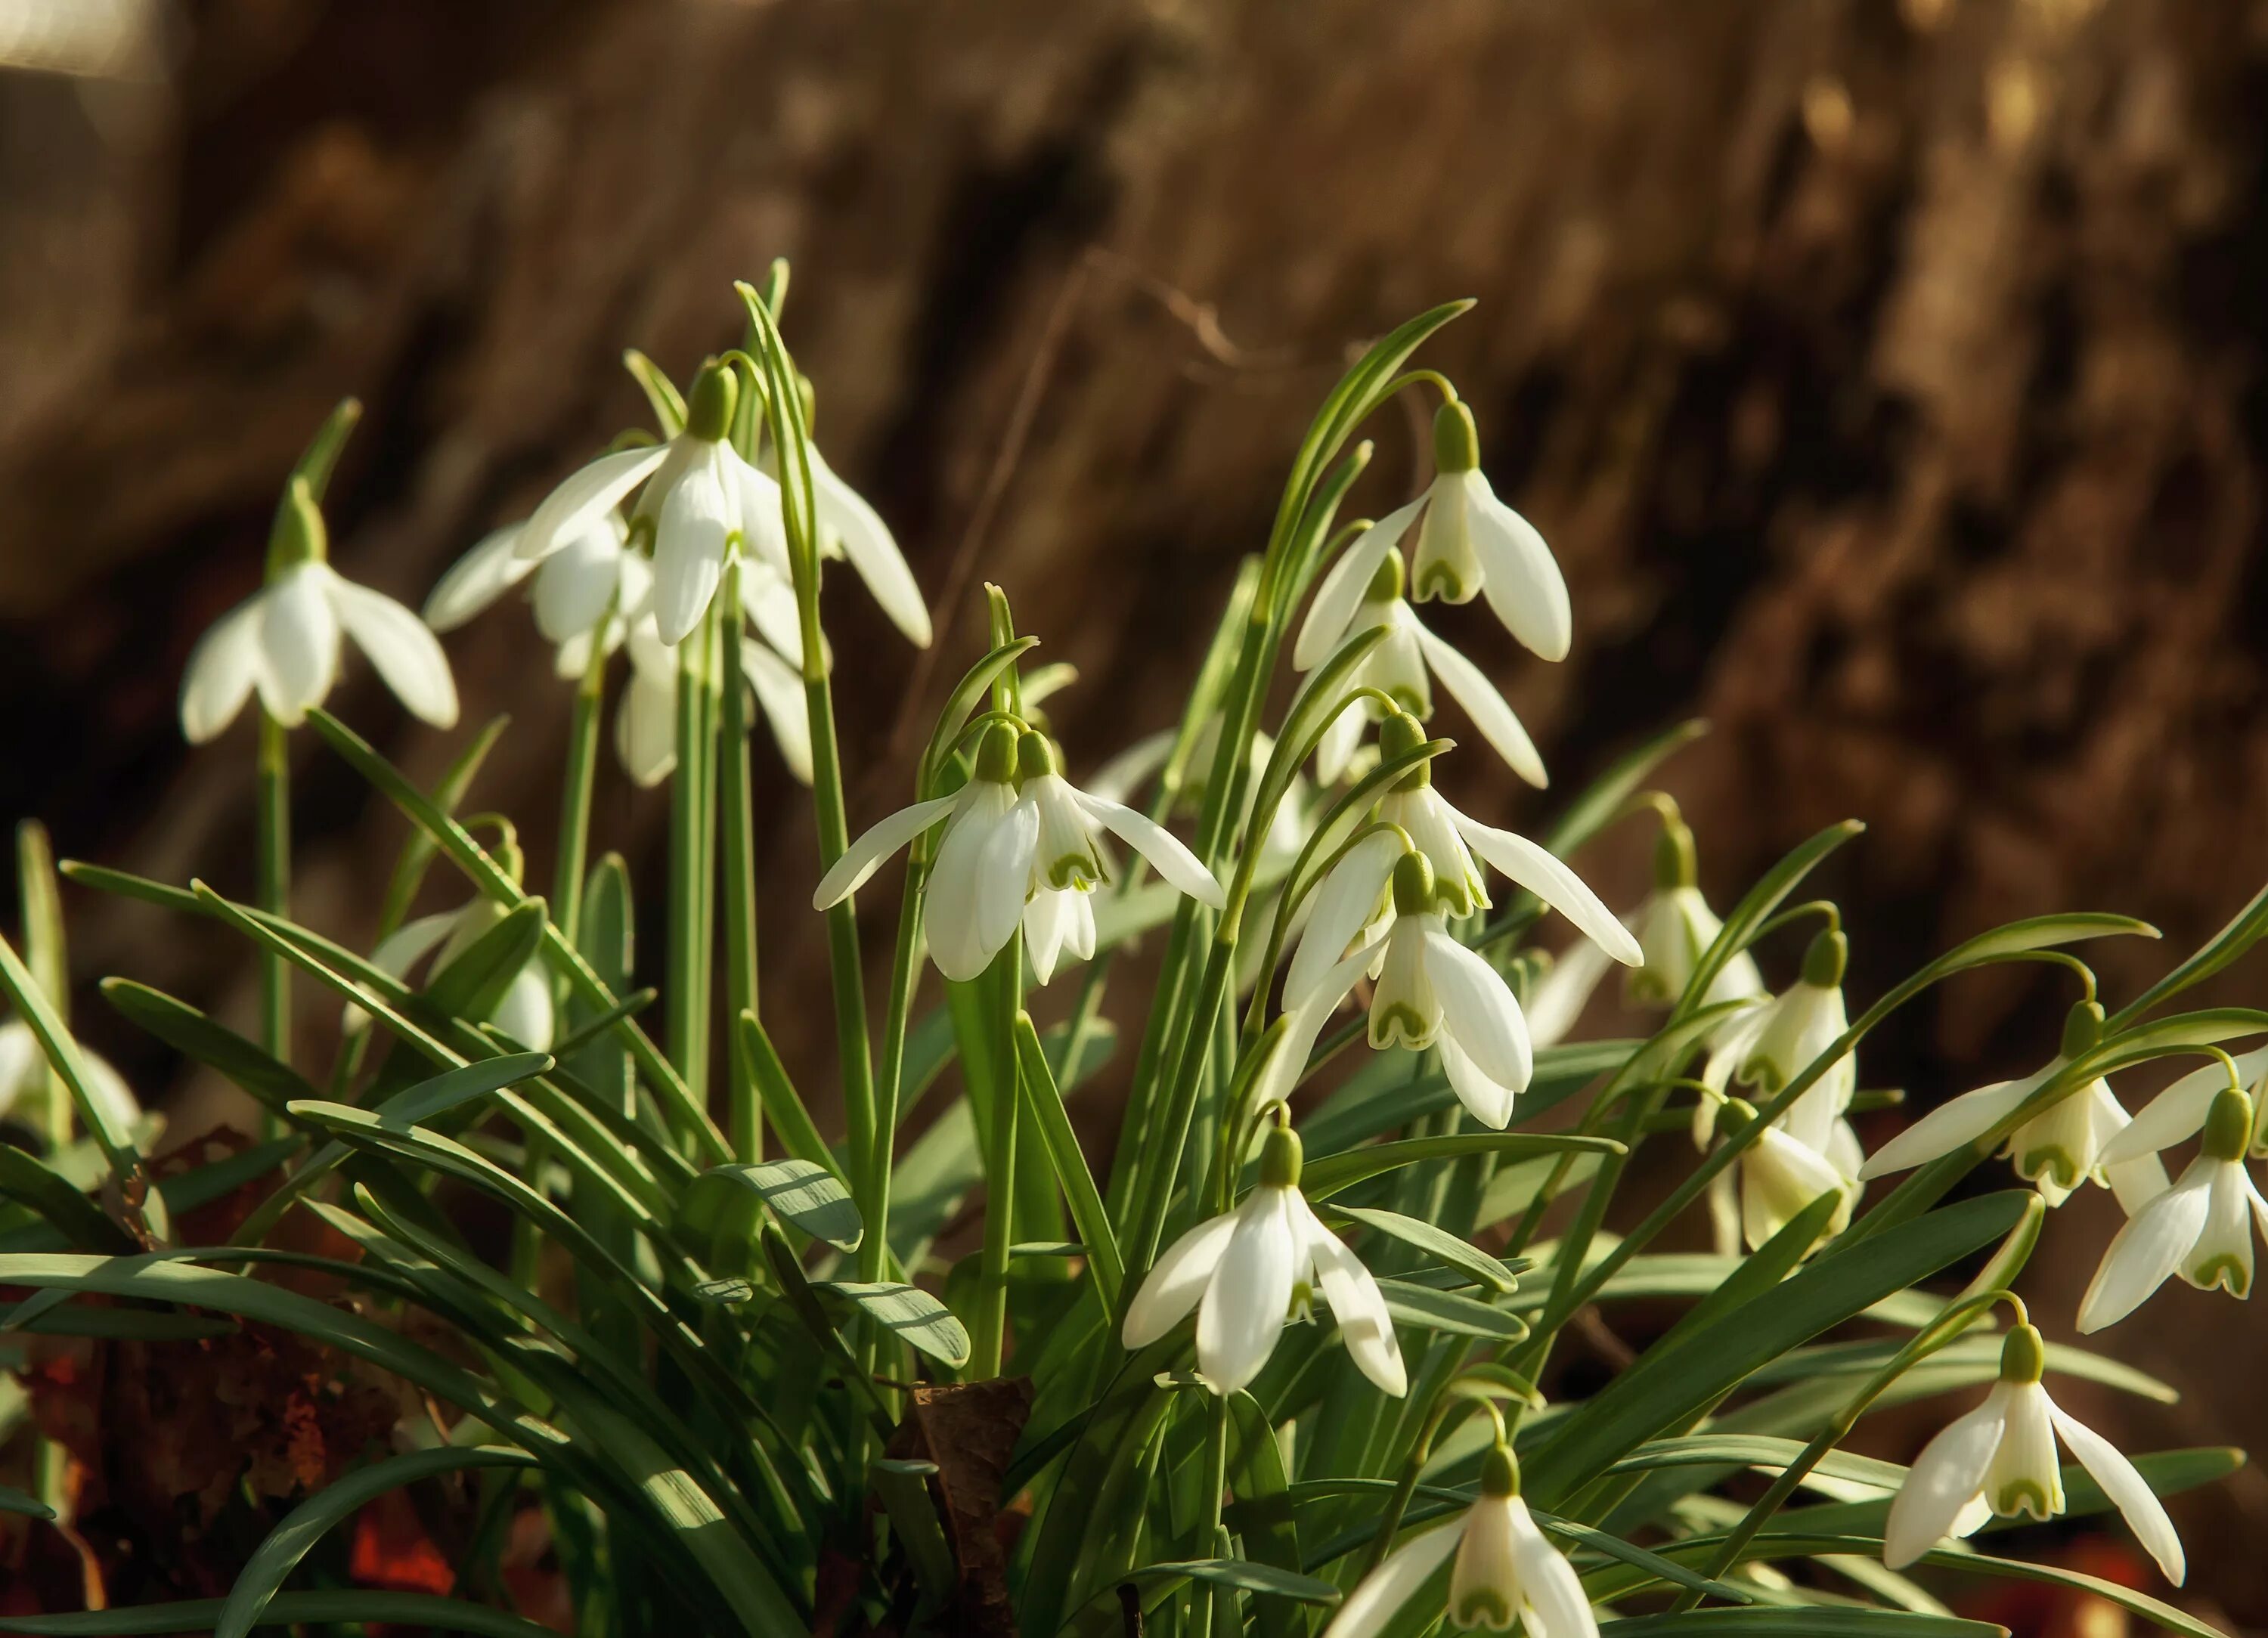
x=850, y=529
x=2175, y=1114
x=695, y=496
x=1431, y=991
x=2062, y=1147
x=2200, y=1228
x=1780, y=1175
x=523, y=1012
x=1471, y=541
x=1505, y=1570
x=284, y=642
x=646, y=720
x=1675, y=927
x=2000, y=1460
x=1249, y=1272
x=23, y=1071
x=587, y=590
x=1005, y=845
x=1795, y=1029
x=1363, y=591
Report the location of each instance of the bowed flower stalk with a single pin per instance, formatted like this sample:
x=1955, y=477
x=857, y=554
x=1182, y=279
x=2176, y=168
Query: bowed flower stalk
x=1675, y=927
x=2177, y=1113
x=1363, y=591
x=1431, y=991
x=1249, y=1272
x=1999, y=1460
x=696, y=496
x=2063, y=1146
x=1505, y=1571
x=1018, y=833
x=2200, y=1228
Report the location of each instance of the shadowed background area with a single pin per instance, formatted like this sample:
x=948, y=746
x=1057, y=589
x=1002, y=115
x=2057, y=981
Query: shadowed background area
x=1886, y=376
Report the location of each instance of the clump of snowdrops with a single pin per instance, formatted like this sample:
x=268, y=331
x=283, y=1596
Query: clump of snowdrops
x=1272, y=1361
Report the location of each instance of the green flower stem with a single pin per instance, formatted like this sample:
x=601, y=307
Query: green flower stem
x=575, y=794
x=741, y=969
x=988, y=1335
x=274, y=845
x=873, y=1189
x=1218, y=1613
x=691, y=823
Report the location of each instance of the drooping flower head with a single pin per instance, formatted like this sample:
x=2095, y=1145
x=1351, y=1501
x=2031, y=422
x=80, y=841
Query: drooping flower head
x=1505, y=1571
x=1676, y=927
x=2200, y=1228
x=2000, y=1460
x=1249, y=1272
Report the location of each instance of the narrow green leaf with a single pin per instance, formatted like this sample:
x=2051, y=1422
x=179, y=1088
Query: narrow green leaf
x=83, y=1224
x=1435, y=1242
x=912, y=1313
x=809, y=1196
x=201, y=1038
x=1245, y=1575
x=661, y=394
x=15, y=1501
x=1326, y=1176
x=1446, y=1311
x=55, y=1037
x=1045, y=1105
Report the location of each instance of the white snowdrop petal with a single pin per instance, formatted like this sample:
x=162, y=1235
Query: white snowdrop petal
x=1166, y=852
x=1478, y=1008
x=1489, y=1102
x=298, y=643
x=688, y=552
x=397, y=953
x=476, y=579
x=1343, y=586
x=575, y=585
x=873, y=551
x=1373, y=1606
x=1941, y=1484
x=1355, y=1301
x=1482, y=701
x=221, y=670
x=1340, y=908
x=1243, y=1310
x=1546, y=875
x=1549, y=1581
x=865, y=855
x=1559, y=997
x=1485, y=1583
x=1336, y=747
x=779, y=696
x=2177, y=1114
x=2129, y=1492
x=23, y=1062
x=645, y=731
x=401, y=647
x=2225, y=1237
x=1176, y=1280
x=1003, y=877
x=1046, y=922
x=525, y=1012
x=768, y=601
x=1519, y=574
x=1947, y=1127
x=585, y=495
x=762, y=521
x=2146, y=1251
x=108, y=1088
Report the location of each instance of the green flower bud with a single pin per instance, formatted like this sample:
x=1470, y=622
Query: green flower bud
x=996, y=754
x=1824, y=961
x=1674, y=864
x=2228, y=1126
x=1413, y=884
x=1385, y=579
x=2023, y=1356
x=709, y=411
x=1456, y=442
x=299, y=535
x=1280, y=1157
x=2082, y=1028
x=1036, y=756
x=1499, y=1472
x=1399, y=733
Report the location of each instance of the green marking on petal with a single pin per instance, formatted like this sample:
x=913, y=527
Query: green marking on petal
x=1081, y=870
x=1483, y=1606
x=2022, y=1495
x=2224, y=1272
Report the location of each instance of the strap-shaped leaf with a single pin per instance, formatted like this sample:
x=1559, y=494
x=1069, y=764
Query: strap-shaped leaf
x=82, y=1223
x=1447, y=1311
x=809, y=1196
x=916, y=1317
x=1328, y=1176
x=194, y=1035
x=1436, y=1242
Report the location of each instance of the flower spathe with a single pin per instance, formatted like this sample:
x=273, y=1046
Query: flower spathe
x=2200, y=1228
x=1248, y=1272
x=1505, y=1571
x=2001, y=1458
x=1364, y=591
x=1016, y=830
x=696, y=495
x=283, y=643
x=2059, y=1149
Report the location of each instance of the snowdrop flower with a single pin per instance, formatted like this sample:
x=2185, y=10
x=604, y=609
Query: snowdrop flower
x=1780, y=1175
x=1505, y=1571
x=1431, y=991
x=697, y=497
x=595, y=578
x=283, y=641
x=1002, y=846
x=525, y=1011
x=2056, y=1149
x=2001, y=1458
x=24, y=1070
x=1793, y=1028
x=1471, y=541
x=1675, y=927
x=1362, y=591
x=2175, y=1114
x=1249, y=1271
x=645, y=721
x=850, y=528
x=2200, y=1228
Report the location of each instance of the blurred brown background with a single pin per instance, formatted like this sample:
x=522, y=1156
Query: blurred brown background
x=1885, y=373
